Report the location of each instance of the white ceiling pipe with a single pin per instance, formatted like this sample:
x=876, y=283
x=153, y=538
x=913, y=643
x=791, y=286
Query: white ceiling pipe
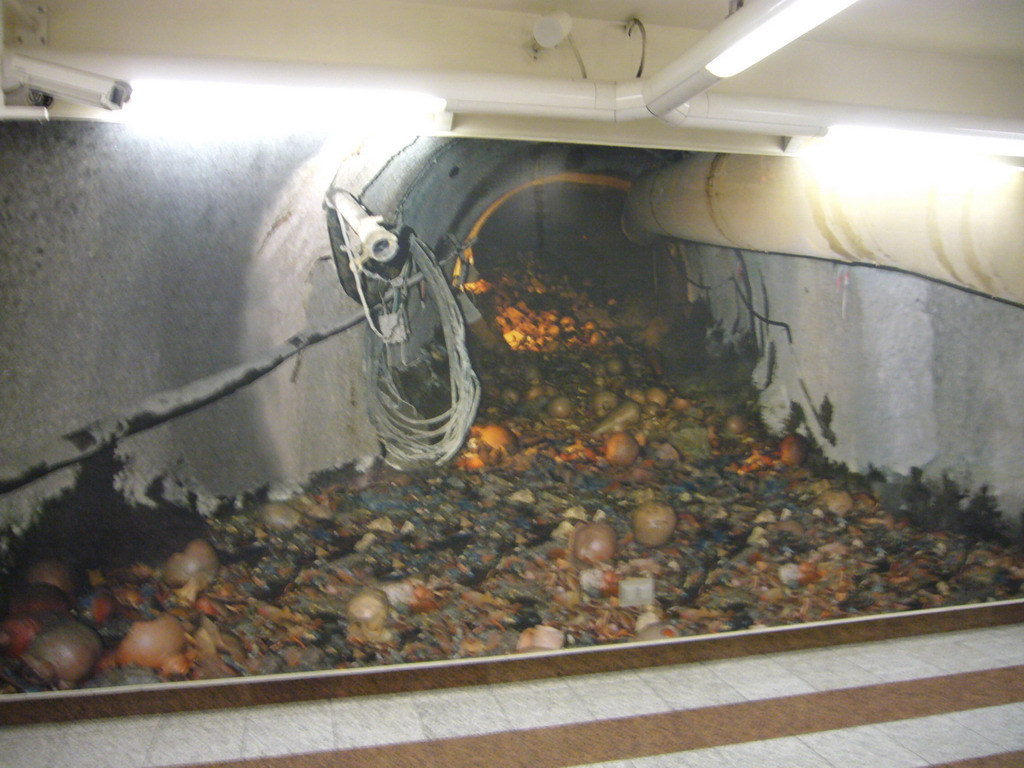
x=690, y=74
x=822, y=114
x=542, y=97
x=796, y=117
x=656, y=95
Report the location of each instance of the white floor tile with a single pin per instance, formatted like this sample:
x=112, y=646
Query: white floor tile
x=106, y=743
x=1000, y=647
x=787, y=752
x=198, y=737
x=369, y=720
x=673, y=760
x=776, y=753
x=955, y=659
x=620, y=694
x=289, y=729
x=1002, y=725
x=714, y=757
x=759, y=678
x=545, y=703
x=465, y=712
x=891, y=664
x=939, y=739
x=32, y=746
x=690, y=686
x=861, y=747
x=826, y=669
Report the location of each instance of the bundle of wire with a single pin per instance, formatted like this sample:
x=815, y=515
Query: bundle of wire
x=410, y=439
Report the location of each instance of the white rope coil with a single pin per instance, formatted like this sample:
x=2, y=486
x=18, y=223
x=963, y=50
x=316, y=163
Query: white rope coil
x=411, y=440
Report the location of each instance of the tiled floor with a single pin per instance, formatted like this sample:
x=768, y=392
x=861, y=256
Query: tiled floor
x=176, y=739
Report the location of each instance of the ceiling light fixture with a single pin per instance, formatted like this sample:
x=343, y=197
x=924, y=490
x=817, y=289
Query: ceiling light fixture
x=753, y=32
x=865, y=159
x=217, y=110
x=785, y=23
x=56, y=81
x=936, y=143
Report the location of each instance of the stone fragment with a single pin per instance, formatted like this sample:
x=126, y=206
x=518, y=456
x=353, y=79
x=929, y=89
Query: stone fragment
x=692, y=441
x=653, y=523
x=366, y=542
x=636, y=591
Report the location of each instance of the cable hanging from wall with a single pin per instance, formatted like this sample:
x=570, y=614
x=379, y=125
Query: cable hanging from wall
x=550, y=31
x=423, y=393
x=632, y=24
x=409, y=438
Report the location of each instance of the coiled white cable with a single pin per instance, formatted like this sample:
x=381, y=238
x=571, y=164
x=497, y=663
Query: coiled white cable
x=411, y=440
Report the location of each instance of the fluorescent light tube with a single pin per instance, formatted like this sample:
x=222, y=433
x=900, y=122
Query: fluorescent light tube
x=938, y=143
x=222, y=109
x=789, y=22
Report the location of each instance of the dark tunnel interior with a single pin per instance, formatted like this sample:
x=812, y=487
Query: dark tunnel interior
x=570, y=228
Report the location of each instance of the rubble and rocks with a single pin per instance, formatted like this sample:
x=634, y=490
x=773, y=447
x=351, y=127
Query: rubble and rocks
x=156, y=643
x=63, y=654
x=538, y=536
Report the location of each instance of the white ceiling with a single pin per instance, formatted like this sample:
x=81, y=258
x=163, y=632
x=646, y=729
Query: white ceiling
x=933, y=57
x=977, y=28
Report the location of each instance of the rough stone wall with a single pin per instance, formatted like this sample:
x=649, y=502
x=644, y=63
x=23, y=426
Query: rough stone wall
x=918, y=373
x=133, y=264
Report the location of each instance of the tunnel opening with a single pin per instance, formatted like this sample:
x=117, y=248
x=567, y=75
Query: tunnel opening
x=566, y=230
x=620, y=481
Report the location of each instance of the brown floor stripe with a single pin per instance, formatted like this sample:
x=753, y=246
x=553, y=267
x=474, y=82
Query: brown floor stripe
x=640, y=736
x=20, y=709
x=1002, y=760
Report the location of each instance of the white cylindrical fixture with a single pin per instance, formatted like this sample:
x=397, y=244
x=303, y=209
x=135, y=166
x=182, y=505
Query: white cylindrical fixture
x=552, y=29
x=966, y=232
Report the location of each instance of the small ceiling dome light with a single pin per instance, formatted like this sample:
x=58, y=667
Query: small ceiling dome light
x=552, y=29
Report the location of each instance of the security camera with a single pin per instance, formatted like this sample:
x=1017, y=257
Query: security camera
x=21, y=73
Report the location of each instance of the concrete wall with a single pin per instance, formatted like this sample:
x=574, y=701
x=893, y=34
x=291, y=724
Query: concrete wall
x=132, y=264
x=920, y=374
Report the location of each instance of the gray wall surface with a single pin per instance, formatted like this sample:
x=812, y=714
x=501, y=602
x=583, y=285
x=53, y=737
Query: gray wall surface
x=132, y=264
x=919, y=373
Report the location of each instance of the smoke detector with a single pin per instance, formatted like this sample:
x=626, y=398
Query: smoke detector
x=550, y=30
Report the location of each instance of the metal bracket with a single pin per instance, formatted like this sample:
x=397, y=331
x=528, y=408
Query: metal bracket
x=393, y=328
x=792, y=145
x=31, y=22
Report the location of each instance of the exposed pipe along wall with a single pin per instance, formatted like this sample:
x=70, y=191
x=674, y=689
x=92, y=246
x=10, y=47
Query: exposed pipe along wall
x=919, y=373
x=933, y=221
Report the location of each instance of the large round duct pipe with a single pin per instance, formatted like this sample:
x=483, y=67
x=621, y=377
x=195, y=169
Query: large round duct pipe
x=964, y=231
